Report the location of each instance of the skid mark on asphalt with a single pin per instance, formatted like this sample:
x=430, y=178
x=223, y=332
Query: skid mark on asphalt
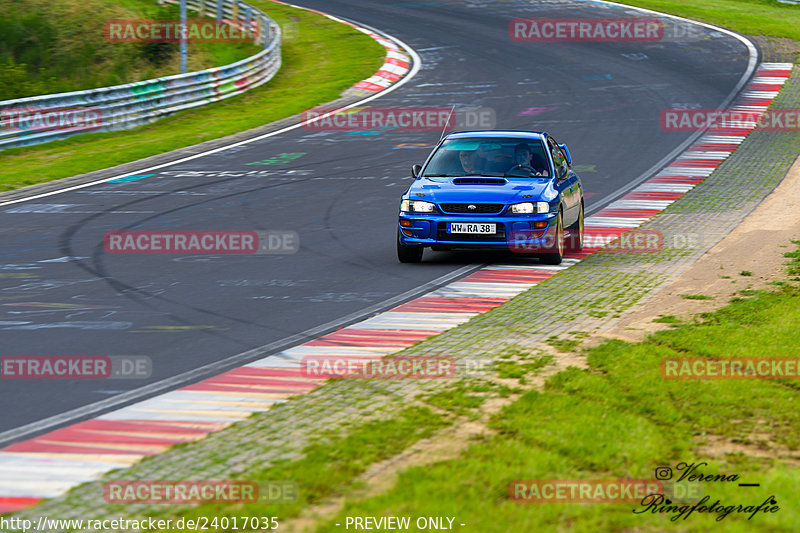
x=178, y=329
x=50, y=209
x=46, y=284
x=60, y=306
x=533, y=111
x=81, y=325
x=132, y=177
x=412, y=145
x=279, y=159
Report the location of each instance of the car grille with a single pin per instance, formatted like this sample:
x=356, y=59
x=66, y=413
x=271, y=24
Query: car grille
x=443, y=236
x=478, y=209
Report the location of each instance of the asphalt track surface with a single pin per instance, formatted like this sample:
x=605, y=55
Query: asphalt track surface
x=61, y=294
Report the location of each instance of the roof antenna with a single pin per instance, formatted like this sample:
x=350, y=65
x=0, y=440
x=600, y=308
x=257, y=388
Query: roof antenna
x=447, y=122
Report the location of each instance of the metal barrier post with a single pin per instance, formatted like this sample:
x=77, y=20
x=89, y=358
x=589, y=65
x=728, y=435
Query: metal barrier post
x=184, y=37
x=235, y=11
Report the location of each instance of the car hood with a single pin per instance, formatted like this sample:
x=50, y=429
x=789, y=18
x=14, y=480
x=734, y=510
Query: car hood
x=478, y=189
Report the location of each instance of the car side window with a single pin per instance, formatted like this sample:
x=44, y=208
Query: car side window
x=559, y=159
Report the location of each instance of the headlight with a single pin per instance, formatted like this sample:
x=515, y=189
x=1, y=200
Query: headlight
x=529, y=208
x=417, y=206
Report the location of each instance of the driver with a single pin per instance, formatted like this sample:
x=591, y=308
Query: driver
x=522, y=159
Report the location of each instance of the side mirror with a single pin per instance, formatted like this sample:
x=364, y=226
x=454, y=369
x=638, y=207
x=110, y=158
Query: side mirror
x=415, y=170
x=566, y=153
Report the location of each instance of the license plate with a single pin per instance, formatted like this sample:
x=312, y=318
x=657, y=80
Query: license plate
x=461, y=227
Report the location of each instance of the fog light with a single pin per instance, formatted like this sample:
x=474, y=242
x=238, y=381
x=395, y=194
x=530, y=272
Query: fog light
x=407, y=232
x=406, y=223
x=540, y=224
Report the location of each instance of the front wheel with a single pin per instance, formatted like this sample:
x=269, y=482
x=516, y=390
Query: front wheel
x=555, y=257
x=408, y=253
x=575, y=240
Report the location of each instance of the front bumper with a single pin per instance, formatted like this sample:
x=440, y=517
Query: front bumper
x=513, y=232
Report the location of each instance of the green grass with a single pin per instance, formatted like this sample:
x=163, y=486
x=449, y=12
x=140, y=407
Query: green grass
x=519, y=370
x=696, y=297
x=749, y=17
x=563, y=345
x=621, y=419
x=51, y=46
x=321, y=58
x=459, y=400
x=667, y=319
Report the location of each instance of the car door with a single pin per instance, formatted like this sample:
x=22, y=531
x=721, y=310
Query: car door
x=566, y=183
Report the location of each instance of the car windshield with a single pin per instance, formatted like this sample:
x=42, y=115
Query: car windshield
x=481, y=156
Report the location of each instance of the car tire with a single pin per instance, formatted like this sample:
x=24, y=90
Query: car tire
x=555, y=257
x=575, y=241
x=408, y=253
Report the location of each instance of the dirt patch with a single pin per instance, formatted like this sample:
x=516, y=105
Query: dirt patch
x=756, y=445
x=750, y=257
x=777, y=49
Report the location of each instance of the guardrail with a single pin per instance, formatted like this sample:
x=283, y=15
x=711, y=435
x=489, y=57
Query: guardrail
x=40, y=119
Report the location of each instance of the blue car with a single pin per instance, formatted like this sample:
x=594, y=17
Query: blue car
x=498, y=190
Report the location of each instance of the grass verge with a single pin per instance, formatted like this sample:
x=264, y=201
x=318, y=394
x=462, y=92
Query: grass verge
x=620, y=419
x=321, y=58
x=750, y=17
x=328, y=465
